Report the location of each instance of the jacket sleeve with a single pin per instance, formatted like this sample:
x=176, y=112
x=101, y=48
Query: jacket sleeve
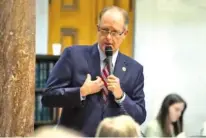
x=59, y=92
x=135, y=104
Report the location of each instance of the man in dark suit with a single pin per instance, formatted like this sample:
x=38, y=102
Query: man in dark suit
x=80, y=83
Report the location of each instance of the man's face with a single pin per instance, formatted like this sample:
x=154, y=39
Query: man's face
x=111, y=30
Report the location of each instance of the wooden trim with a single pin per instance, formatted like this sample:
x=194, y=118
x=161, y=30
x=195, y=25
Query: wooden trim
x=116, y=2
x=69, y=32
x=104, y=4
x=72, y=7
x=49, y=58
x=96, y=12
x=131, y=5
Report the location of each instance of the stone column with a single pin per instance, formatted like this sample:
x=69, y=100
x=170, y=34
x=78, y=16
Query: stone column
x=17, y=62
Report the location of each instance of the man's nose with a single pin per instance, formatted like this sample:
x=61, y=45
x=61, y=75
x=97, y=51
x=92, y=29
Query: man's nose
x=109, y=36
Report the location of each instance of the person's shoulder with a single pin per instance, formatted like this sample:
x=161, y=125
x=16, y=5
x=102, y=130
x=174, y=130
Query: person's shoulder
x=76, y=50
x=131, y=61
x=153, y=129
x=154, y=123
x=77, y=47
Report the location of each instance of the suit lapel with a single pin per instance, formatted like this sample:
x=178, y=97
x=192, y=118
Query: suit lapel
x=120, y=67
x=94, y=61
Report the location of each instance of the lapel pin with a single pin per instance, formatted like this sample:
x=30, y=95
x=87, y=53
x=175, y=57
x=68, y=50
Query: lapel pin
x=124, y=69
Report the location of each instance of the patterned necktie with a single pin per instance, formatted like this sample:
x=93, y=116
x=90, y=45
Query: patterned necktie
x=104, y=75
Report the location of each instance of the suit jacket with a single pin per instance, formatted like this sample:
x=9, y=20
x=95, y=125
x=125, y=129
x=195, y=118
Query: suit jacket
x=69, y=74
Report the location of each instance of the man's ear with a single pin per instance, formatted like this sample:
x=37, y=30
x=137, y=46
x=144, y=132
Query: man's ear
x=126, y=32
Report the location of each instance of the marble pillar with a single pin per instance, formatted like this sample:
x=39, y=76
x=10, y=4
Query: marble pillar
x=17, y=67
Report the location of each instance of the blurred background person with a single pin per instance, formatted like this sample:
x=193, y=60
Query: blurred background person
x=120, y=126
x=56, y=132
x=169, y=122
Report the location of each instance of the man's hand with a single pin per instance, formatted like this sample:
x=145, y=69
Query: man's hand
x=113, y=85
x=91, y=87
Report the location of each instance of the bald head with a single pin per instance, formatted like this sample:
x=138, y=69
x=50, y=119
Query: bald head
x=114, y=11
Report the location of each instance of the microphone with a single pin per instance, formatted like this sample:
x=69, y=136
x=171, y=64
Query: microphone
x=109, y=53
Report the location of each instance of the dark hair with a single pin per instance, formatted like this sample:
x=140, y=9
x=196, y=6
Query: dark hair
x=124, y=13
x=164, y=111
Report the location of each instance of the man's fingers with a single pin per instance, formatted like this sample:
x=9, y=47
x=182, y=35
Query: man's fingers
x=111, y=77
x=98, y=79
x=101, y=84
x=112, y=81
x=111, y=84
x=111, y=88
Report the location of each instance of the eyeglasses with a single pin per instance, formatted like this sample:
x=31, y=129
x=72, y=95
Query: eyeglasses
x=106, y=31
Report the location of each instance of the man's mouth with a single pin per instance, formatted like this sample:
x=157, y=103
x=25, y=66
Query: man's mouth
x=108, y=44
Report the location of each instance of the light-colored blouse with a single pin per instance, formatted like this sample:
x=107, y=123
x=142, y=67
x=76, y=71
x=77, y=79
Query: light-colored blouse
x=153, y=129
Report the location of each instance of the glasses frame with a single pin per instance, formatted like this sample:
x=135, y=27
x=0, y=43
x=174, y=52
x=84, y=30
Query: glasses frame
x=118, y=34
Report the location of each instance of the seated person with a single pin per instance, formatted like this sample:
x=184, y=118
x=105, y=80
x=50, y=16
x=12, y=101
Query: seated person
x=120, y=126
x=169, y=122
x=203, y=131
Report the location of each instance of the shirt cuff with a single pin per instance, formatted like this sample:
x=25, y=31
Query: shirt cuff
x=82, y=98
x=122, y=99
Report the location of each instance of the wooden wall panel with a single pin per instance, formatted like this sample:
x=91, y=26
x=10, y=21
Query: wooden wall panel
x=82, y=15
